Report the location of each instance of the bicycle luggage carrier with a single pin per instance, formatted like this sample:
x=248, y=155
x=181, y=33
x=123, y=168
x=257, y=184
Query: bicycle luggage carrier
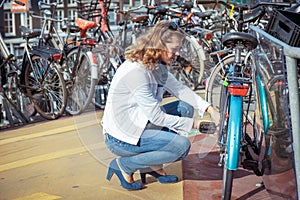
x=50, y=53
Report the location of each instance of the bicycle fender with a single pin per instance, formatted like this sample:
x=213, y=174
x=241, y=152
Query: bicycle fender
x=24, y=64
x=263, y=104
x=234, y=132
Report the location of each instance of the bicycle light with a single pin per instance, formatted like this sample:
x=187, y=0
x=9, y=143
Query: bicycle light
x=208, y=36
x=238, y=90
x=56, y=56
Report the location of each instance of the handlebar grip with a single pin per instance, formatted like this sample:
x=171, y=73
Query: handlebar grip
x=205, y=2
x=237, y=7
x=278, y=4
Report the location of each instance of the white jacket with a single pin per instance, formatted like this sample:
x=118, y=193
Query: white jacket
x=134, y=99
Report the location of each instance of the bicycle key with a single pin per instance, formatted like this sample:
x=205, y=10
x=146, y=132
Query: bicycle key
x=207, y=127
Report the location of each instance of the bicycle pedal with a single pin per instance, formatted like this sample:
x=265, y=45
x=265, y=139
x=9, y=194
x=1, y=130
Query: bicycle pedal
x=207, y=127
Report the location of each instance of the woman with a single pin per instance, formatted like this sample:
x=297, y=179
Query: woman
x=144, y=134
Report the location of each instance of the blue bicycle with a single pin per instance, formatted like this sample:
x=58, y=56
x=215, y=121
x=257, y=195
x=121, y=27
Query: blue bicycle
x=238, y=87
x=244, y=113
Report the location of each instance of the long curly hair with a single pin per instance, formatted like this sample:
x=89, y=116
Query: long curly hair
x=150, y=46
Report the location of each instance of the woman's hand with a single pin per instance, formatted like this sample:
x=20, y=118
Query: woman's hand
x=196, y=124
x=214, y=114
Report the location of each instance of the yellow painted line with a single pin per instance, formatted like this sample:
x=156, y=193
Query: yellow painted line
x=39, y=196
x=123, y=193
x=59, y=130
x=45, y=157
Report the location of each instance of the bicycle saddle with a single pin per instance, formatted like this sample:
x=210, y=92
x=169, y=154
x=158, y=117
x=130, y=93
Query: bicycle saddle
x=185, y=5
x=233, y=39
x=85, y=24
x=203, y=15
x=158, y=10
x=139, y=18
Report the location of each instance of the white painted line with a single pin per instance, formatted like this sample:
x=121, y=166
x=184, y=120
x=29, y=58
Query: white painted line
x=49, y=132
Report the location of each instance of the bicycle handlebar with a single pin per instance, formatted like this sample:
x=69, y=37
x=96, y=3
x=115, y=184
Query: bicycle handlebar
x=130, y=10
x=51, y=5
x=48, y=18
x=241, y=7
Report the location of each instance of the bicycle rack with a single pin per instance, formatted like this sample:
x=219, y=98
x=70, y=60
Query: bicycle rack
x=12, y=114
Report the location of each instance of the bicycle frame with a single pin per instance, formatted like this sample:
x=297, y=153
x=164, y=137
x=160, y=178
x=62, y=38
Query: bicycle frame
x=3, y=48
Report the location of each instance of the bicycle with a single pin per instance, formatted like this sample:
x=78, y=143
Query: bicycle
x=36, y=80
x=15, y=103
x=107, y=50
x=79, y=64
x=226, y=57
x=132, y=25
x=41, y=76
x=238, y=87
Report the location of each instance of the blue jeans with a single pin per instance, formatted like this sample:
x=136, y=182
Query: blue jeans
x=156, y=146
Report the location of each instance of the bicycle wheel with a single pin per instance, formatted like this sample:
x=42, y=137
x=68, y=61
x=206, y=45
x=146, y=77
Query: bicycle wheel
x=46, y=87
x=81, y=85
x=106, y=74
x=189, y=65
x=278, y=100
x=227, y=183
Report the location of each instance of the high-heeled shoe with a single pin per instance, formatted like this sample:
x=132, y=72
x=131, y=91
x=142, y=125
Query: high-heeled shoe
x=115, y=169
x=161, y=178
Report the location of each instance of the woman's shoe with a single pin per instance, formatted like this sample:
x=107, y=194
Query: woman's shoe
x=161, y=178
x=115, y=169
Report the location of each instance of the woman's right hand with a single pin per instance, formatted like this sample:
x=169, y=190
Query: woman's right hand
x=214, y=115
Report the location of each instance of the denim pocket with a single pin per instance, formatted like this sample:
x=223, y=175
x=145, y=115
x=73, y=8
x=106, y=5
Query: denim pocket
x=118, y=147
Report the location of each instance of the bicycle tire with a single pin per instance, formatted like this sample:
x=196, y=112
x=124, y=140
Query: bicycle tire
x=82, y=83
x=46, y=87
x=189, y=65
x=106, y=74
x=227, y=183
x=278, y=89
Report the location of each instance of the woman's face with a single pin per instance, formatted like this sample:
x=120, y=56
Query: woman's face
x=169, y=55
x=172, y=51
